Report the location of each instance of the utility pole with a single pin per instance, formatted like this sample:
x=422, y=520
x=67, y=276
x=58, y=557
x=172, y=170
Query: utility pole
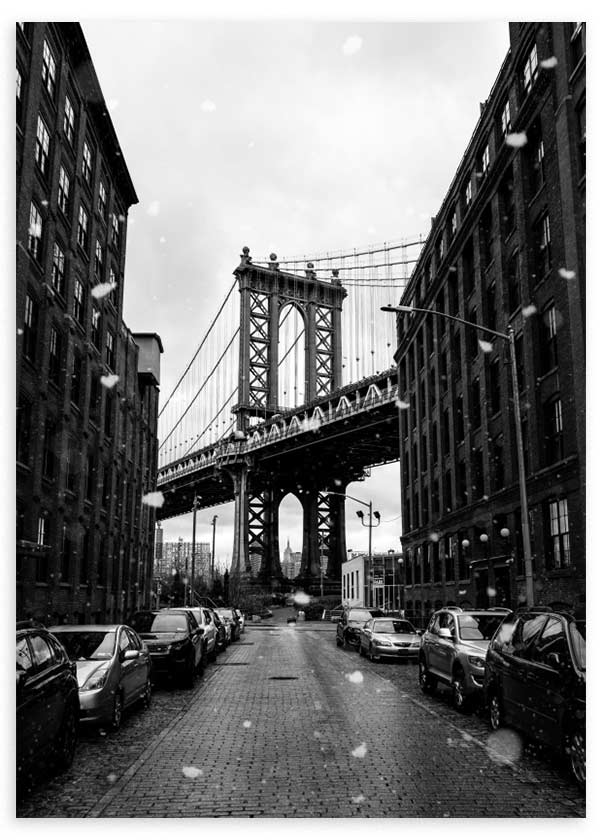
x=195, y=509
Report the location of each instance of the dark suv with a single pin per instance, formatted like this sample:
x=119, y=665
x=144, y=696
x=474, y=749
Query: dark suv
x=47, y=701
x=453, y=649
x=350, y=623
x=174, y=642
x=535, y=681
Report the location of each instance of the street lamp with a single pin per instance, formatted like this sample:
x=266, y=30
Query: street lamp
x=510, y=338
x=195, y=505
x=360, y=514
x=212, y=559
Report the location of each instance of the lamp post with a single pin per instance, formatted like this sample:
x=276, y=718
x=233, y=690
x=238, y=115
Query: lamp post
x=195, y=505
x=361, y=515
x=212, y=559
x=510, y=338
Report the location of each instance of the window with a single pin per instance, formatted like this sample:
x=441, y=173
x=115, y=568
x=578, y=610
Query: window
x=55, y=355
x=112, y=279
x=475, y=404
x=486, y=236
x=448, y=546
x=497, y=463
x=115, y=231
x=95, y=400
x=24, y=417
x=82, y=228
x=456, y=357
x=453, y=302
x=535, y=156
x=42, y=146
x=110, y=349
x=559, y=554
x=553, y=430
x=507, y=201
x=96, y=327
x=108, y=413
x=490, y=306
x=78, y=301
x=58, y=269
x=19, y=97
x=77, y=378
x=64, y=188
x=48, y=69
x=459, y=423
x=98, y=259
x=73, y=455
x=468, y=193
x=551, y=644
x=543, y=253
x=102, y=199
x=472, y=335
x=513, y=283
x=86, y=163
x=49, y=449
x=484, y=161
x=454, y=222
x=440, y=249
x=461, y=484
x=477, y=466
x=34, y=234
x=448, y=490
x=577, y=42
x=30, y=328
x=445, y=432
x=66, y=553
x=530, y=70
x=69, y=121
x=494, y=383
x=468, y=268
x=505, y=125
x=548, y=340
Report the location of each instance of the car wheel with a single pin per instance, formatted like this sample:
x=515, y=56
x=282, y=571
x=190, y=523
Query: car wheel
x=147, y=695
x=117, y=712
x=575, y=754
x=426, y=681
x=460, y=699
x=66, y=740
x=496, y=711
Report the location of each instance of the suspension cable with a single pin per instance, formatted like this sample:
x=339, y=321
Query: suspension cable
x=198, y=437
x=183, y=375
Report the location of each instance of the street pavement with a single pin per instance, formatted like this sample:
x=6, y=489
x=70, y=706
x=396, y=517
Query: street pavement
x=285, y=724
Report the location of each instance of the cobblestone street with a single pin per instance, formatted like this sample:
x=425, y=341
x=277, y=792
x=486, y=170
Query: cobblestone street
x=285, y=724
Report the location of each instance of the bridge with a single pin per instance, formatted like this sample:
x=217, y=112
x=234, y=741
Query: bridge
x=270, y=405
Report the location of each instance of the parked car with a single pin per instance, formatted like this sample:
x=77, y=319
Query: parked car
x=113, y=669
x=206, y=623
x=174, y=642
x=453, y=649
x=535, y=681
x=47, y=702
x=228, y=615
x=241, y=619
x=352, y=619
x=389, y=637
x=223, y=631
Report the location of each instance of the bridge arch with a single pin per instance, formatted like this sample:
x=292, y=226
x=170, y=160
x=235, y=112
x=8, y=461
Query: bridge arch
x=291, y=353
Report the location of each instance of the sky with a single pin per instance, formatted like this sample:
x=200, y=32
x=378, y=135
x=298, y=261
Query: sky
x=290, y=135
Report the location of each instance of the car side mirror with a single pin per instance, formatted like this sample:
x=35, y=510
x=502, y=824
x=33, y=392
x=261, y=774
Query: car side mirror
x=129, y=654
x=444, y=633
x=555, y=661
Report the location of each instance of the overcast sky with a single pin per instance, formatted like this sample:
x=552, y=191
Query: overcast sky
x=296, y=136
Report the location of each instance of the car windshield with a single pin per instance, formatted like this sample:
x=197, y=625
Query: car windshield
x=479, y=626
x=160, y=623
x=88, y=644
x=577, y=632
x=359, y=615
x=389, y=625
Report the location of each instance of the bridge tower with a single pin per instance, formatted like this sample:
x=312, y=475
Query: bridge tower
x=264, y=292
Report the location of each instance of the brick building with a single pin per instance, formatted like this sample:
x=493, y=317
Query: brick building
x=506, y=250
x=86, y=447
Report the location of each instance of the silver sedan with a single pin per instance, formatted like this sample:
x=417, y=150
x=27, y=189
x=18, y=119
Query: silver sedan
x=113, y=669
x=393, y=637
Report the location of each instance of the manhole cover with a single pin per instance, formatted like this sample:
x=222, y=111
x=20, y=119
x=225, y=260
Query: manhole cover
x=283, y=678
